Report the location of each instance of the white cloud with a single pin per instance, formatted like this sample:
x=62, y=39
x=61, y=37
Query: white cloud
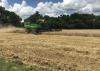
x=67, y=1
x=87, y=9
x=22, y=9
x=54, y=9
x=4, y=3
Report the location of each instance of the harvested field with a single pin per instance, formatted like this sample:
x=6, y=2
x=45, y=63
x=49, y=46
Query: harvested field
x=85, y=33
x=55, y=52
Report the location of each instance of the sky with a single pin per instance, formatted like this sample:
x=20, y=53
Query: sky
x=32, y=2
x=54, y=8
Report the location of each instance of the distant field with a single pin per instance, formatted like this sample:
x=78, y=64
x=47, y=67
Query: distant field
x=85, y=32
x=67, y=50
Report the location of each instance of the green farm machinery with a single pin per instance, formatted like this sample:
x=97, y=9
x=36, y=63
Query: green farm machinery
x=33, y=28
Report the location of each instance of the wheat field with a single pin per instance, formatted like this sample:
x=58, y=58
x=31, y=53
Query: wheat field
x=67, y=50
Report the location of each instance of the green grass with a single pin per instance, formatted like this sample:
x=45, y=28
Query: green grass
x=12, y=66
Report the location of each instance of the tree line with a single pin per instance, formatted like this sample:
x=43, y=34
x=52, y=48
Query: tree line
x=9, y=18
x=73, y=21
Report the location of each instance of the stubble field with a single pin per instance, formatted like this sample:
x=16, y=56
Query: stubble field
x=69, y=50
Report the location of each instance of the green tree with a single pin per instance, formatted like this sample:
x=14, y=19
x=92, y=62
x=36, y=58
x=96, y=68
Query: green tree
x=34, y=18
x=9, y=18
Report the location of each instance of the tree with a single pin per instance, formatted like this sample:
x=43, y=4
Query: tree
x=34, y=18
x=73, y=21
x=9, y=18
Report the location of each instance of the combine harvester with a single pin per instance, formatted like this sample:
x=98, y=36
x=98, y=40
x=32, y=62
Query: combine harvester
x=33, y=28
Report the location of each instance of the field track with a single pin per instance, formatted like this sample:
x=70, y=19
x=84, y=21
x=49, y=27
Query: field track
x=69, y=50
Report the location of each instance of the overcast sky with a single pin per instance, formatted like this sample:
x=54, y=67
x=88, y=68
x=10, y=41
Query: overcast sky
x=25, y=8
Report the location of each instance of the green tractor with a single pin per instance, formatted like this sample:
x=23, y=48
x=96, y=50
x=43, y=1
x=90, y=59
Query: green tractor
x=33, y=28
